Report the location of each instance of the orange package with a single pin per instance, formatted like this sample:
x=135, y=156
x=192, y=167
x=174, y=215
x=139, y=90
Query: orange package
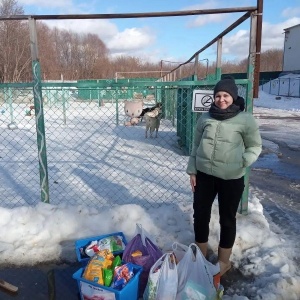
x=136, y=253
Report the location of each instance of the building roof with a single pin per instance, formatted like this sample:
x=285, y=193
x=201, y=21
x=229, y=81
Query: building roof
x=291, y=27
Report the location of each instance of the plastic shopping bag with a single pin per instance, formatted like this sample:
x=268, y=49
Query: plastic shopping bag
x=163, y=279
x=179, y=250
x=143, y=252
x=195, y=276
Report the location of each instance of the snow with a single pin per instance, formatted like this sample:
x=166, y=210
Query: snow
x=282, y=104
x=46, y=232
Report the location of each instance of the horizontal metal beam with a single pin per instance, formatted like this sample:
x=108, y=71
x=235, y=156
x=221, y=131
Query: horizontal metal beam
x=113, y=85
x=131, y=15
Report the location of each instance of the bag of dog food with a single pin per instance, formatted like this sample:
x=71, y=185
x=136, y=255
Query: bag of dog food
x=94, y=270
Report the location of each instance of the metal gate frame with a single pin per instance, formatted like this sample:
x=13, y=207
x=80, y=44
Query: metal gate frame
x=169, y=80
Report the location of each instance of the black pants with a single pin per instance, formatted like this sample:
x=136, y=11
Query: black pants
x=229, y=195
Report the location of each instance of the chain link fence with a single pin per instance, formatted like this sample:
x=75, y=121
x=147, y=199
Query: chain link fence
x=93, y=159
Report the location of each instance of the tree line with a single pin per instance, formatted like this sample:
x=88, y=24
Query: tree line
x=69, y=55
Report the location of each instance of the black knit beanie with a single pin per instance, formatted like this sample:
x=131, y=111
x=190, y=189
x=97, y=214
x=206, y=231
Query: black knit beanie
x=228, y=85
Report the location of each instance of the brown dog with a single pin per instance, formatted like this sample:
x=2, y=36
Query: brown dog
x=153, y=121
x=148, y=109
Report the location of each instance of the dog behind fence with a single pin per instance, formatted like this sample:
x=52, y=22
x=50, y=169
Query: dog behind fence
x=152, y=119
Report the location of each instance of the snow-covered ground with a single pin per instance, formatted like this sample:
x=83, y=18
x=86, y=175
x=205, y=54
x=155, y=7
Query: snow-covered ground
x=281, y=104
x=34, y=234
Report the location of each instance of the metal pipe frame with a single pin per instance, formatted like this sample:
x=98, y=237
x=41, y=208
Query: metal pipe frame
x=131, y=15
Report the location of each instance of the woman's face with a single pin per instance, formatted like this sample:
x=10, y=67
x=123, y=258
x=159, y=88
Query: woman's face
x=223, y=99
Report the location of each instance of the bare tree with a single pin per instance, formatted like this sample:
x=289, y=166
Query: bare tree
x=47, y=53
x=271, y=60
x=85, y=56
x=14, y=44
x=73, y=55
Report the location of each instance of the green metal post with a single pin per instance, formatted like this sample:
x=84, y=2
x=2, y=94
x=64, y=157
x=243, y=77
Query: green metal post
x=117, y=106
x=243, y=209
x=174, y=104
x=196, y=63
x=39, y=114
x=40, y=127
x=163, y=101
x=11, y=110
x=98, y=94
x=219, y=59
x=218, y=73
x=64, y=98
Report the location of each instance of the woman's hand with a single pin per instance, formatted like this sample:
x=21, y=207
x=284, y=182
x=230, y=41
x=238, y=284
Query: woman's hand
x=193, y=182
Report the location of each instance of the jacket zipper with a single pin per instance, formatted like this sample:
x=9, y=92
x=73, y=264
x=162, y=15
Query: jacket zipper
x=215, y=141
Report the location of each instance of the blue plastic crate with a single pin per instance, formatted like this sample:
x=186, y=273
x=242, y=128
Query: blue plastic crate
x=83, y=242
x=129, y=292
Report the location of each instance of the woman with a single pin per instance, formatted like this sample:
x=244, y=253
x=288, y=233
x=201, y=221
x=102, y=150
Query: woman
x=226, y=142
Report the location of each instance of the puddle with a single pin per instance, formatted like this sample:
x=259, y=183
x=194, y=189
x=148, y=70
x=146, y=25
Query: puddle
x=272, y=162
x=270, y=145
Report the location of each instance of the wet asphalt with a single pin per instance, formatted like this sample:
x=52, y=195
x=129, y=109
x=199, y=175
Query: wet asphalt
x=43, y=282
x=275, y=177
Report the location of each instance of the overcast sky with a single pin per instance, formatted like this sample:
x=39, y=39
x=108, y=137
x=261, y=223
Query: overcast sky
x=172, y=38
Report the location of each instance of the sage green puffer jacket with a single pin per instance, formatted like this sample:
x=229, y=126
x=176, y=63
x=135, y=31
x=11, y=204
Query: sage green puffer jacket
x=225, y=148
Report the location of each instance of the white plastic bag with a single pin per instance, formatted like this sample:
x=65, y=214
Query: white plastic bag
x=179, y=250
x=163, y=279
x=195, y=276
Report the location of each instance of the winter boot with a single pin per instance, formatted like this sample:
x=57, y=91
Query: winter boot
x=223, y=256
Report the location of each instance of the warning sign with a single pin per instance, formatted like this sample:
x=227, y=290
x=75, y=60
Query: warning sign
x=202, y=100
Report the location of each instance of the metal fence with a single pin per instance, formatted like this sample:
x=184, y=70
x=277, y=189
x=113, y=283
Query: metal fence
x=94, y=160
x=67, y=143
x=289, y=87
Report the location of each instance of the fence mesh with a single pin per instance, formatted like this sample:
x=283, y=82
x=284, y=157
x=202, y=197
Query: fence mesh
x=93, y=159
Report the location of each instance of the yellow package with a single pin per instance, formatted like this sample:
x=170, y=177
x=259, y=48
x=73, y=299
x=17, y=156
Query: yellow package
x=94, y=270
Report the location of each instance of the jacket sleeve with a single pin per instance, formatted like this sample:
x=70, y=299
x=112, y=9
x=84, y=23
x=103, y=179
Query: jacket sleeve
x=252, y=142
x=191, y=167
